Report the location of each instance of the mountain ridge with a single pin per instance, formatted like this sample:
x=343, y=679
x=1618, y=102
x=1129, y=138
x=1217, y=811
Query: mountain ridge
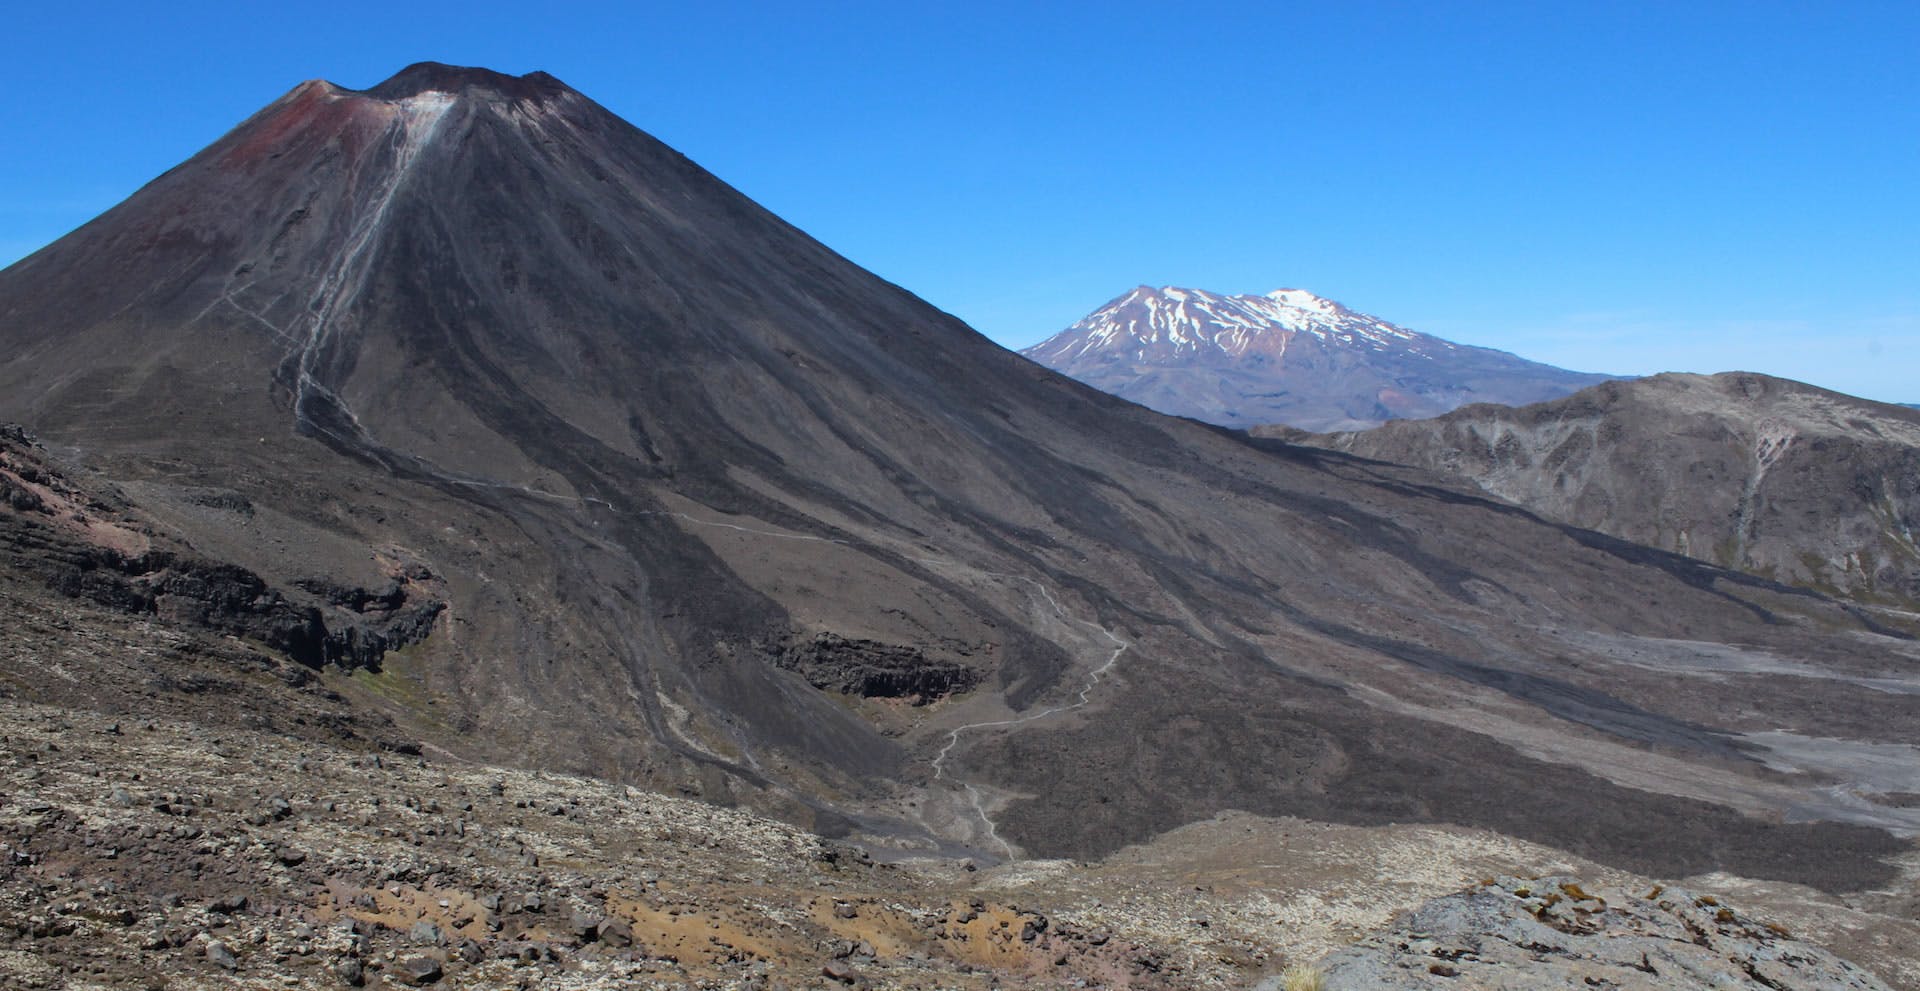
x=1748, y=471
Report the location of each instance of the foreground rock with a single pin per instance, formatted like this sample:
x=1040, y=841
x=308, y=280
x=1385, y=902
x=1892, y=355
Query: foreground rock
x=134, y=854
x=139, y=857
x=1526, y=935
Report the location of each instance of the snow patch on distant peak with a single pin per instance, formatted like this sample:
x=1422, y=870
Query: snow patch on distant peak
x=1305, y=300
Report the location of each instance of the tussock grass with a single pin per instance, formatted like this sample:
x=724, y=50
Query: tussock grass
x=1304, y=977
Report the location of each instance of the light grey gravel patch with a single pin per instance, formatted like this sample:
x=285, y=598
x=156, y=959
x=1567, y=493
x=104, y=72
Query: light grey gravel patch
x=1843, y=804
x=1702, y=659
x=1864, y=770
x=1880, y=767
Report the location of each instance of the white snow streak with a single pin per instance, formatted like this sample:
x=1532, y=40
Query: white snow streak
x=417, y=120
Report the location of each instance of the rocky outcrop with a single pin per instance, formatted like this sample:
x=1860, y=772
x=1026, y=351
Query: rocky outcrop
x=20, y=499
x=1515, y=934
x=214, y=596
x=52, y=529
x=872, y=669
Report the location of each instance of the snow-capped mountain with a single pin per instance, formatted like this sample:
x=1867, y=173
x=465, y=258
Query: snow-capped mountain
x=1172, y=323
x=1287, y=356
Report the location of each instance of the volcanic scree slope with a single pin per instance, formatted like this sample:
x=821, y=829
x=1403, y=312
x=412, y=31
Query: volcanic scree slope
x=708, y=507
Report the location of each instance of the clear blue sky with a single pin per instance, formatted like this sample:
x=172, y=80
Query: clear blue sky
x=1606, y=186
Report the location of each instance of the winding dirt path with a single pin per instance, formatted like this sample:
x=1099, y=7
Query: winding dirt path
x=1086, y=690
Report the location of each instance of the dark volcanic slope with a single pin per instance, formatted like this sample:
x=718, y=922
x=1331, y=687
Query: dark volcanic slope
x=709, y=506
x=1284, y=357
x=1769, y=476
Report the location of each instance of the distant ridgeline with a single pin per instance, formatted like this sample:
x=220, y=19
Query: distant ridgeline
x=1776, y=478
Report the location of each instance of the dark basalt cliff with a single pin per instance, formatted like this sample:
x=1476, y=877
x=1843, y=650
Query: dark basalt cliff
x=876, y=670
x=704, y=501
x=81, y=546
